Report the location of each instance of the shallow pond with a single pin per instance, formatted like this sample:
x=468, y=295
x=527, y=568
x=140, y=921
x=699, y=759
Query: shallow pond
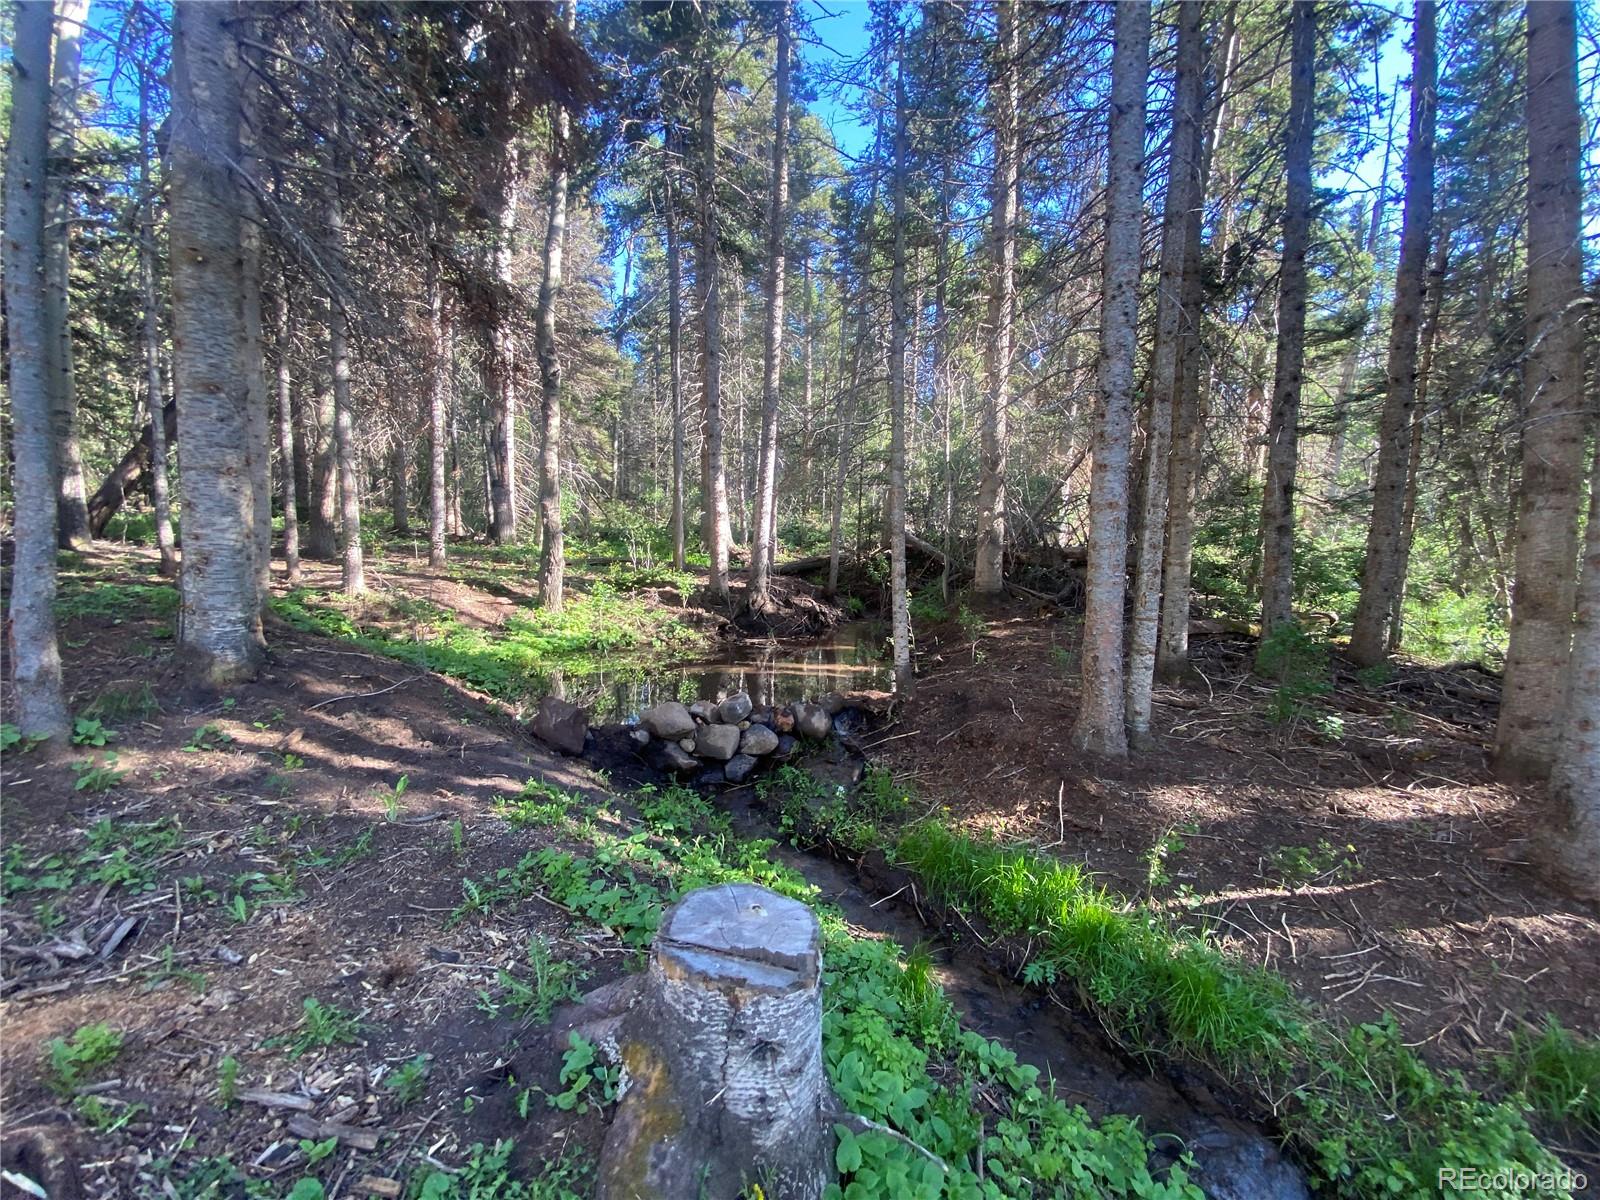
x=772, y=672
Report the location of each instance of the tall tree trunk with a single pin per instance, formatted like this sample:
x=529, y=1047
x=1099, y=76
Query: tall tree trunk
x=150, y=335
x=258, y=427
x=899, y=605
x=1172, y=325
x=772, y=352
x=1430, y=334
x=1575, y=774
x=552, y=552
x=501, y=360
x=322, y=529
x=675, y=348
x=219, y=626
x=35, y=656
x=438, y=401
x=989, y=566
x=1383, y=574
x=1100, y=727
x=708, y=279
x=352, y=576
x=1188, y=422
x=400, y=481
x=291, y=520
x=1555, y=426
x=1283, y=434
x=72, y=519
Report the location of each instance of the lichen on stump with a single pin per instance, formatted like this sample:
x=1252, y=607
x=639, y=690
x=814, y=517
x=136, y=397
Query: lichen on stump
x=722, y=1045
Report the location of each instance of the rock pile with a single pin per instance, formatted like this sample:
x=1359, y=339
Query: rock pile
x=727, y=741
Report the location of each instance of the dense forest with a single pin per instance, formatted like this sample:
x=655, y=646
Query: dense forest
x=1186, y=407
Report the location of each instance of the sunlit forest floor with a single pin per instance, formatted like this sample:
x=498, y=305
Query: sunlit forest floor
x=315, y=930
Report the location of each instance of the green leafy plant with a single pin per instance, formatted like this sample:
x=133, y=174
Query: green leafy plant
x=322, y=1026
x=1297, y=866
x=391, y=798
x=209, y=736
x=407, y=1083
x=90, y=776
x=589, y=1081
x=227, y=1080
x=69, y=1062
x=1168, y=844
x=123, y=700
x=550, y=982
x=89, y=731
x=316, y=1151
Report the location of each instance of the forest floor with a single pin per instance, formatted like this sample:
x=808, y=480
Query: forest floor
x=1354, y=842
x=270, y=932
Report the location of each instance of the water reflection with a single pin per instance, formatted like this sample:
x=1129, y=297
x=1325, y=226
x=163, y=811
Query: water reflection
x=771, y=672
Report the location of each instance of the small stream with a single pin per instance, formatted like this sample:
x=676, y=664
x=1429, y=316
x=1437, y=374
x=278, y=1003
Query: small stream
x=1234, y=1160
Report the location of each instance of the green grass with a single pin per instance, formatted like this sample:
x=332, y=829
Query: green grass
x=1559, y=1073
x=596, y=630
x=1365, y=1114
x=322, y=1026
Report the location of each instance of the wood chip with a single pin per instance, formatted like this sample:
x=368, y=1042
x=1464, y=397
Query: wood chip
x=118, y=935
x=378, y=1185
x=276, y=1099
x=310, y=1127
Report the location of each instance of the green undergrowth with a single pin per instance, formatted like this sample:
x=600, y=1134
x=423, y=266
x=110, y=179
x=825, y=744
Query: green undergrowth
x=1366, y=1116
x=512, y=661
x=894, y=1049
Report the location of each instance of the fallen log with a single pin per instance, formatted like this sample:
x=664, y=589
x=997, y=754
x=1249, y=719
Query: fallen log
x=108, y=497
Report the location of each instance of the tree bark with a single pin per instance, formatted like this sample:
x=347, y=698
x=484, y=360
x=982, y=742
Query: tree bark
x=772, y=352
x=1173, y=322
x=675, y=346
x=72, y=519
x=322, y=540
x=899, y=605
x=291, y=520
x=708, y=280
x=552, y=552
x=1430, y=334
x=219, y=626
x=989, y=566
x=1553, y=388
x=35, y=656
x=501, y=360
x=1383, y=573
x=1283, y=434
x=258, y=433
x=1101, y=724
x=722, y=1041
x=150, y=336
x=1575, y=774
x=438, y=400
x=352, y=575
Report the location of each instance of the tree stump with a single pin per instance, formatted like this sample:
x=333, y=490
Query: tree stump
x=722, y=1050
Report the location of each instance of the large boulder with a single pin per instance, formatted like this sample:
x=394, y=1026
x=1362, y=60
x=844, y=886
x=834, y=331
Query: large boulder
x=561, y=724
x=705, y=710
x=717, y=741
x=668, y=721
x=758, y=740
x=735, y=708
x=811, y=720
x=787, y=745
x=739, y=768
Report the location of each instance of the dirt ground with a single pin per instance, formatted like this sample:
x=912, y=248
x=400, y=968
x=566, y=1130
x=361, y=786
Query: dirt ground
x=288, y=799
x=1379, y=870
